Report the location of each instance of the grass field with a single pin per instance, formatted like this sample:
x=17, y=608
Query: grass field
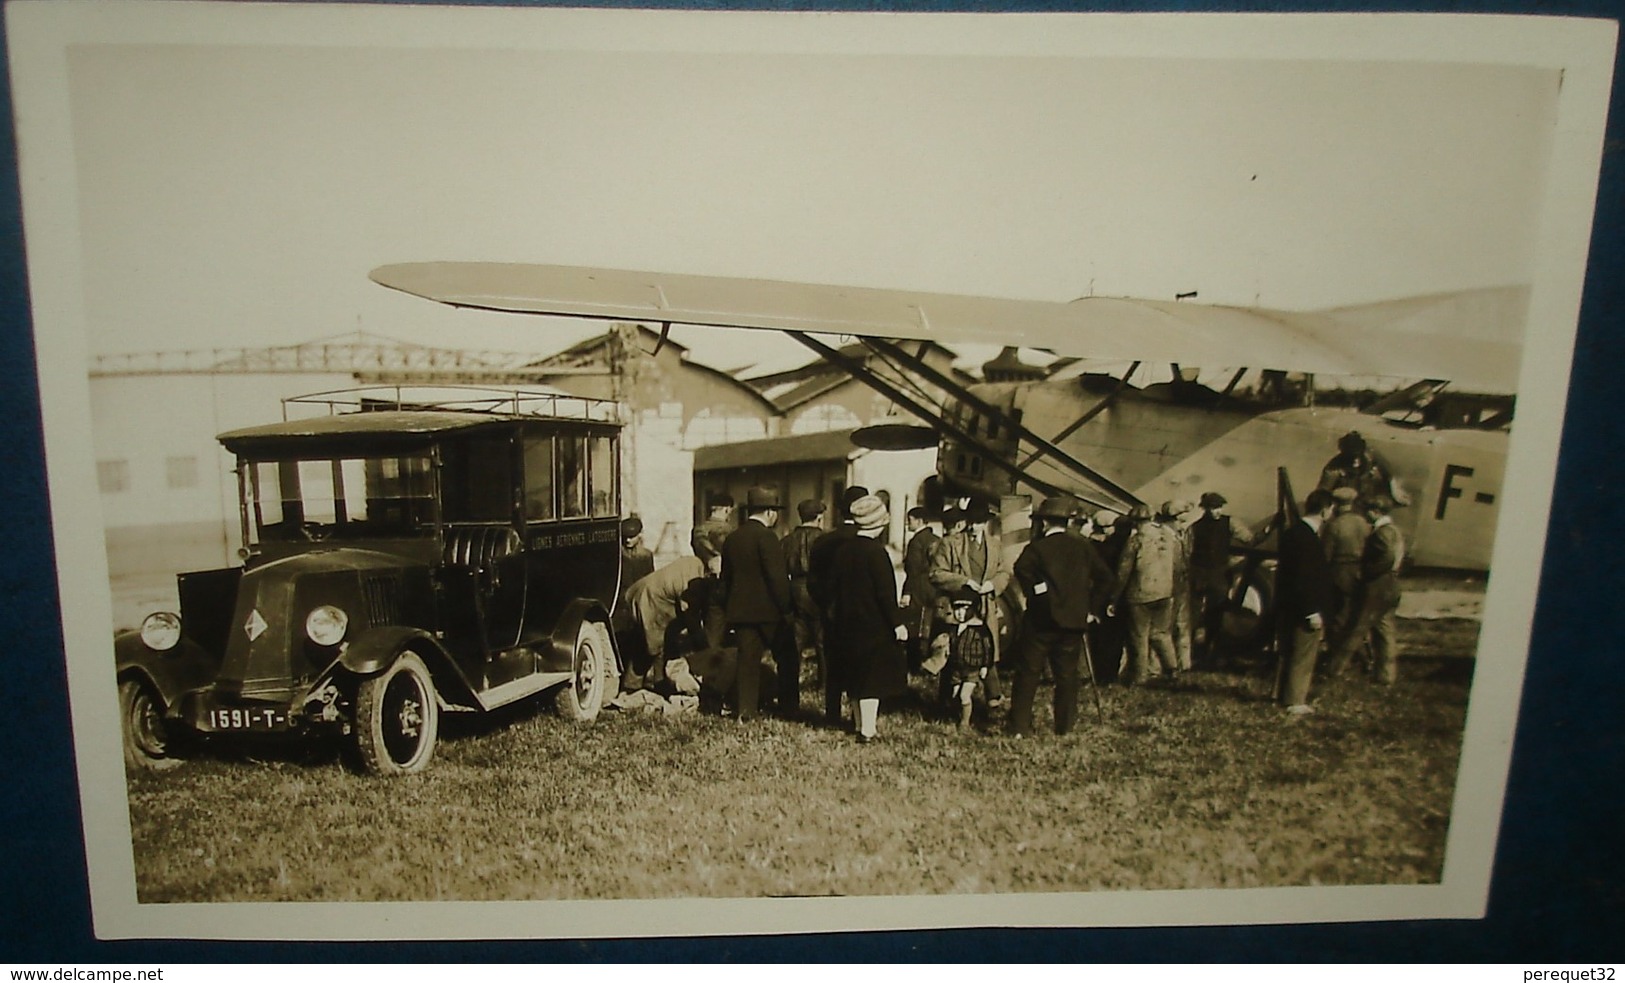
x=1208, y=785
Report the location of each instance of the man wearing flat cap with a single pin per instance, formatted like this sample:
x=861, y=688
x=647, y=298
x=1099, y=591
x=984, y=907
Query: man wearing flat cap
x=924, y=530
x=1344, y=536
x=1066, y=585
x=1176, y=516
x=1145, y=581
x=756, y=588
x=709, y=534
x=1380, y=562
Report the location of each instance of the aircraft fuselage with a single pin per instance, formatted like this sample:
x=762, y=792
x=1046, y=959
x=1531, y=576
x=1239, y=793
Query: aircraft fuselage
x=1162, y=447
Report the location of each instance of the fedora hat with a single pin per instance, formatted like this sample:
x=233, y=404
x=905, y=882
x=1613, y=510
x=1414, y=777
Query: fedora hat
x=762, y=498
x=1056, y=507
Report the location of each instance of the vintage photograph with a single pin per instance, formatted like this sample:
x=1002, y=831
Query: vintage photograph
x=776, y=466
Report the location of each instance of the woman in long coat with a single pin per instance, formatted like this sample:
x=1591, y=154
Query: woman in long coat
x=867, y=627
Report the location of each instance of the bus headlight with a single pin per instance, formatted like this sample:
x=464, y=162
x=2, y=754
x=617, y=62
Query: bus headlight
x=326, y=625
x=161, y=631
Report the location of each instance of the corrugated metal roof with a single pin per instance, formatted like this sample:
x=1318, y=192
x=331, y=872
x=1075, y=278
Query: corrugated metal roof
x=832, y=445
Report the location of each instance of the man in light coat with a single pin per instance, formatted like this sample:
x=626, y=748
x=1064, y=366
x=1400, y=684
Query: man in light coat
x=1145, y=578
x=1380, y=563
x=973, y=558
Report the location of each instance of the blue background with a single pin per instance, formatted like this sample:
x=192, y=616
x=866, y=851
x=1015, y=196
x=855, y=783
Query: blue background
x=1559, y=887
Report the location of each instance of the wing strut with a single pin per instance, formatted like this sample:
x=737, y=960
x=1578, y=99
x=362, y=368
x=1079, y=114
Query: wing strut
x=1046, y=448
x=859, y=372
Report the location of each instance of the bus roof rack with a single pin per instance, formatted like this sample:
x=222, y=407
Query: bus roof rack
x=493, y=400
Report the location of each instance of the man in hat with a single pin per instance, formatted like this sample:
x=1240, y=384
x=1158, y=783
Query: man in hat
x=1303, y=595
x=1356, y=466
x=1210, y=538
x=706, y=541
x=972, y=558
x=756, y=590
x=1174, y=516
x=1066, y=584
x=1145, y=582
x=711, y=532
x=820, y=583
x=1380, y=562
x=1344, y=536
x=636, y=563
x=654, y=603
x=919, y=597
x=805, y=618
x=1078, y=522
x=1108, y=639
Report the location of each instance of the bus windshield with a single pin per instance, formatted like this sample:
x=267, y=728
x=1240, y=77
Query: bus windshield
x=341, y=498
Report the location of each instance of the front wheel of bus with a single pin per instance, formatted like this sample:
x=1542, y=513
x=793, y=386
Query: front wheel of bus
x=593, y=669
x=141, y=718
x=397, y=718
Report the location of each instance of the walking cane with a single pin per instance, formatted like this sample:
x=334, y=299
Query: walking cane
x=1094, y=687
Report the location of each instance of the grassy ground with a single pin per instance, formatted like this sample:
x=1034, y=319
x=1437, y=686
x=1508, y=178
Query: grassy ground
x=1205, y=786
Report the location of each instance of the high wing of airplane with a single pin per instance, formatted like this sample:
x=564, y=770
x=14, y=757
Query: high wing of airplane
x=1108, y=440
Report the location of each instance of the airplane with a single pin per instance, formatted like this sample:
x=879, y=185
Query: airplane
x=1114, y=443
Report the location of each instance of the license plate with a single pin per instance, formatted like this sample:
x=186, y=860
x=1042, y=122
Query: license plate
x=248, y=718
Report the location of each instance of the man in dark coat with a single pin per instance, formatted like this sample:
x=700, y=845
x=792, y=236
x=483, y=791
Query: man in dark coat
x=706, y=541
x=820, y=583
x=866, y=625
x=1066, y=584
x=1210, y=538
x=1109, y=636
x=805, y=617
x=919, y=596
x=756, y=587
x=1303, y=596
x=1357, y=466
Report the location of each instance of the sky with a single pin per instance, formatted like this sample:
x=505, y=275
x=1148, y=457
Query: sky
x=239, y=195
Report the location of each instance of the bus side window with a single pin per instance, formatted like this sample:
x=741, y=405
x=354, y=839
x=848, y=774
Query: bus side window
x=601, y=474
x=485, y=466
x=572, y=476
x=539, y=478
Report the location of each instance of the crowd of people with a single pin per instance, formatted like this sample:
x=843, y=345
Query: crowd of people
x=1135, y=599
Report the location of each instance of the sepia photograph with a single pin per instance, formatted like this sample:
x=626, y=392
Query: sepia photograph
x=795, y=472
